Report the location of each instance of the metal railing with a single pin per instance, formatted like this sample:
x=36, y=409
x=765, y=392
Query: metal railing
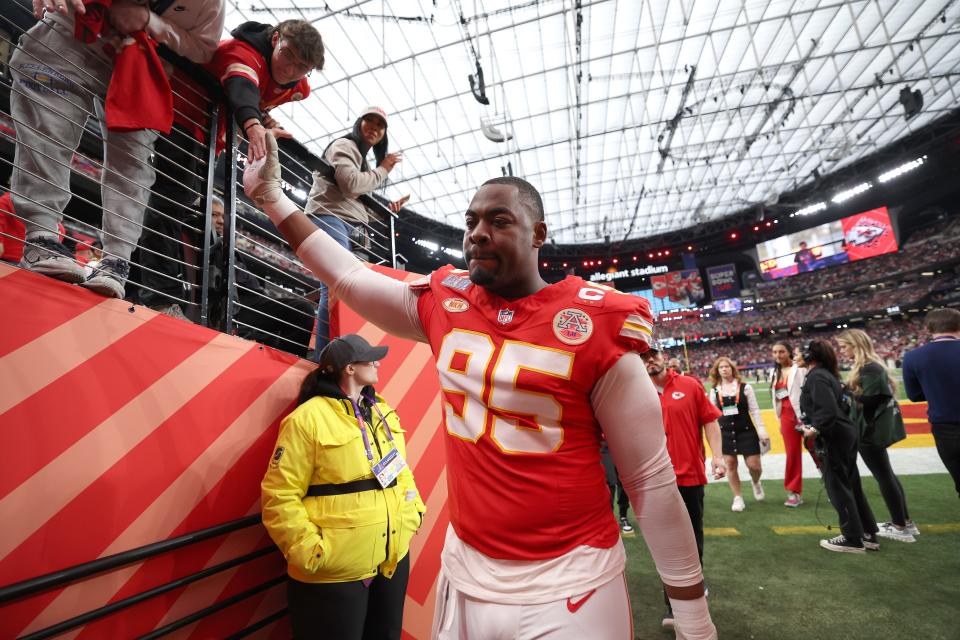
x=241, y=279
x=65, y=577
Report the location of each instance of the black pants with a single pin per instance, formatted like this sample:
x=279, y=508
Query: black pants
x=693, y=500
x=947, y=437
x=838, y=463
x=175, y=194
x=349, y=610
x=269, y=321
x=878, y=461
x=617, y=494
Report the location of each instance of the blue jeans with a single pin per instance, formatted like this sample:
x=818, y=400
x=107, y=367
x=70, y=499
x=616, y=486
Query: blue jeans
x=341, y=232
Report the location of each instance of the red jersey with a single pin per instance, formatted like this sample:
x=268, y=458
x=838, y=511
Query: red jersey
x=686, y=409
x=233, y=58
x=523, y=444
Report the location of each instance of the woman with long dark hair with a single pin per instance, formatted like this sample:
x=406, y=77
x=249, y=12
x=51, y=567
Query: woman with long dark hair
x=341, y=503
x=785, y=388
x=825, y=415
x=333, y=196
x=881, y=426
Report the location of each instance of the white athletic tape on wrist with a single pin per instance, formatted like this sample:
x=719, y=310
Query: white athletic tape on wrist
x=692, y=619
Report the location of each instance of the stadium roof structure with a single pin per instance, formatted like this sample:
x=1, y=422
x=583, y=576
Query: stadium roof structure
x=633, y=117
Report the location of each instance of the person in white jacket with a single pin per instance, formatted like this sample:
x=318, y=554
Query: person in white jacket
x=785, y=388
x=333, y=199
x=558, y=569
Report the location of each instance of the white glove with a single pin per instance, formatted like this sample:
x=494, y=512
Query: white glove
x=691, y=620
x=261, y=183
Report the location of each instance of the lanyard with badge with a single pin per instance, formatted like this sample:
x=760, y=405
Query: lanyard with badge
x=390, y=465
x=729, y=410
x=781, y=392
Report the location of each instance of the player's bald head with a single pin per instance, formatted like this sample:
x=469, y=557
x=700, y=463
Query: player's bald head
x=526, y=192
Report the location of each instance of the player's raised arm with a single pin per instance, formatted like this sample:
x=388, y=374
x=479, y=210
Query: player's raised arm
x=387, y=303
x=628, y=410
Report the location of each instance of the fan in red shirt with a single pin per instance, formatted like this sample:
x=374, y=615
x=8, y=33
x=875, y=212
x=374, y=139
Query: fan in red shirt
x=688, y=414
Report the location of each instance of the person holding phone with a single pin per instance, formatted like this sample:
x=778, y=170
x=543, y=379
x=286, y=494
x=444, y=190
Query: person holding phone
x=332, y=201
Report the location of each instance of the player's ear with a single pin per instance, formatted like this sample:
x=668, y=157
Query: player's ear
x=539, y=234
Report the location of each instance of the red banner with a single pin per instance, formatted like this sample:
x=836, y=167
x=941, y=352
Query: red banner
x=868, y=234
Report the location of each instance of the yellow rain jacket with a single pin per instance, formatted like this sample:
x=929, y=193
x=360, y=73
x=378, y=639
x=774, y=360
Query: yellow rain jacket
x=338, y=538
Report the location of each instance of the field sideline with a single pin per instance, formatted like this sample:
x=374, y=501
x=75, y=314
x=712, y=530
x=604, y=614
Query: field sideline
x=766, y=585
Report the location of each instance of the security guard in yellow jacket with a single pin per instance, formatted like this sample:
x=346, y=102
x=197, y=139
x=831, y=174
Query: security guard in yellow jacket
x=339, y=500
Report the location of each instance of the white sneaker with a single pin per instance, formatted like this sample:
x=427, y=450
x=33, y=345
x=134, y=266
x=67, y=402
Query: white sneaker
x=738, y=504
x=758, y=491
x=890, y=530
x=912, y=529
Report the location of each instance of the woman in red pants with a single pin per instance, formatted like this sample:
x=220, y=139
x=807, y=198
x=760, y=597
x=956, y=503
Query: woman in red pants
x=787, y=382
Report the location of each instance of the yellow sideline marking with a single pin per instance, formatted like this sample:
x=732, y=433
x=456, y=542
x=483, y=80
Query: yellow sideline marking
x=789, y=531
x=726, y=532
x=939, y=528
x=950, y=527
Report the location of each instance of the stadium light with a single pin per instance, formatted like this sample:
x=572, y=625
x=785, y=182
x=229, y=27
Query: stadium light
x=843, y=196
x=813, y=208
x=898, y=171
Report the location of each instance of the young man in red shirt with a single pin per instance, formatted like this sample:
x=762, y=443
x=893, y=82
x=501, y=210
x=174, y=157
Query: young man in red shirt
x=687, y=415
x=262, y=67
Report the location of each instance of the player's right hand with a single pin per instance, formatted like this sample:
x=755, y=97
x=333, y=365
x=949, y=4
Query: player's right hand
x=56, y=6
x=261, y=178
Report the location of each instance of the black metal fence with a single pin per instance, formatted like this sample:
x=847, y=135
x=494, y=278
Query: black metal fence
x=153, y=201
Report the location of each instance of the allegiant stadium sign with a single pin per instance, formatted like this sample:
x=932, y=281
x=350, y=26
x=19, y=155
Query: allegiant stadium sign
x=635, y=272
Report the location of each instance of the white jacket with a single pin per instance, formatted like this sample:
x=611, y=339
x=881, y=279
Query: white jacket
x=795, y=378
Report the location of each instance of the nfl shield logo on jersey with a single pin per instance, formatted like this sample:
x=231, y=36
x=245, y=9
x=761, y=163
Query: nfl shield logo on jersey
x=505, y=316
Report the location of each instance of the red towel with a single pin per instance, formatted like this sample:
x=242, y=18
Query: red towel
x=88, y=26
x=139, y=95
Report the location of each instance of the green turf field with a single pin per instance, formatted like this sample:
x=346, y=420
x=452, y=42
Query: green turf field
x=766, y=586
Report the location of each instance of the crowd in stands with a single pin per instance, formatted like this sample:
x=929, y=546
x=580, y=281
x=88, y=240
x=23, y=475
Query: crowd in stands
x=926, y=248
x=892, y=338
x=828, y=308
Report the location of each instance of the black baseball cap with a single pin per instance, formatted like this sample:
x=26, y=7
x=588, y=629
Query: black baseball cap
x=347, y=350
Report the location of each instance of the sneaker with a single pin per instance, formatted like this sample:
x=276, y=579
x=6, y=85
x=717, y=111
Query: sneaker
x=50, y=258
x=890, y=530
x=870, y=542
x=842, y=545
x=794, y=500
x=912, y=529
x=738, y=504
x=625, y=529
x=758, y=491
x=109, y=278
x=173, y=310
x=667, y=622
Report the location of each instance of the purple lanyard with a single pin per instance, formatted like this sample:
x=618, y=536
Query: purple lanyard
x=363, y=427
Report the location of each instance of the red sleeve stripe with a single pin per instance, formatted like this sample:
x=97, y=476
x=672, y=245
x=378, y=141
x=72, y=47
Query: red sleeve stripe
x=238, y=69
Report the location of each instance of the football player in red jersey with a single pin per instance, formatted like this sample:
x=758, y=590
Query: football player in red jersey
x=531, y=374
